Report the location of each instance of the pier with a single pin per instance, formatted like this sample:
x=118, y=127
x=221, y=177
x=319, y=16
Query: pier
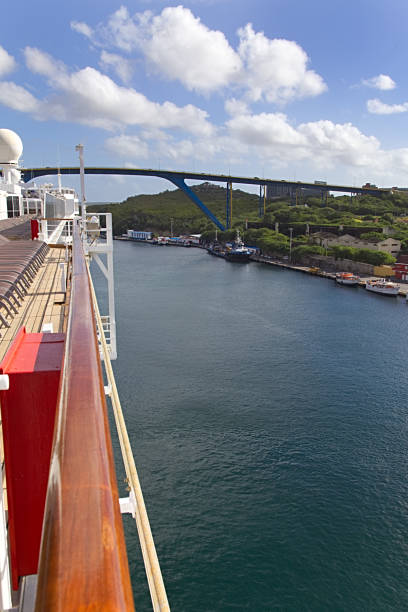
x=313, y=271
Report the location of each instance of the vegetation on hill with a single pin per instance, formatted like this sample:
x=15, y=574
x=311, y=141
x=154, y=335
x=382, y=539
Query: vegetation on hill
x=155, y=212
x=365, y=216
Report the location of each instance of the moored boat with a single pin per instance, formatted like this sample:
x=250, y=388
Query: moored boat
x=216, y=249
x=347, y=278
x=239, y=252
x=382, y=286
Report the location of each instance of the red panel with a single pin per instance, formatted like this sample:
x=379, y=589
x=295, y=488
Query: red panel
x=33, y=364
x=35, y=227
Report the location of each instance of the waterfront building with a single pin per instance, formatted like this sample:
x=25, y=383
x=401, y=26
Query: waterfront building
x=401, y=268
x=138, y=235
x=326, y=239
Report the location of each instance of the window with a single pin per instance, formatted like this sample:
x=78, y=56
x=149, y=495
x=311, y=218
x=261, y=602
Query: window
x=13, y=206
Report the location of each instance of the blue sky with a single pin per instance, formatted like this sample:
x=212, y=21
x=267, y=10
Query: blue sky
x=291, y=89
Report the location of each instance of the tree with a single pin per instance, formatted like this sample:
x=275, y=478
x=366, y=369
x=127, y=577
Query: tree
x=306, y=249
x=372, y=236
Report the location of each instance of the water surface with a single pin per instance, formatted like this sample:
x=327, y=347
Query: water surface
x=267, y=411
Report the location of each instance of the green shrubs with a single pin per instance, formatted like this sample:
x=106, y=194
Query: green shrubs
x=375, y=258
x=269, y=241
x=306, y=249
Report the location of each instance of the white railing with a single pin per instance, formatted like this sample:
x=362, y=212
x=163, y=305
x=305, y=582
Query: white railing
x=56, y=231
x=5, y=583
x=97, y=240
x=31, y=206
x=106, y=326
x=97, y=232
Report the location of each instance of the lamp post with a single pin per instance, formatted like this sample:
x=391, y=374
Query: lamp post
x=290, y=244
x=80, y=149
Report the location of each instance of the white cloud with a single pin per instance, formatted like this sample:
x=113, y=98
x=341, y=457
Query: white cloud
x=42, y=63
x=119, y=64
x=379, y=108
x=183, y=48
x=178, y=46
x=265, y=130
x=18, y=98
x=382, y=81
x=82, y=28
x=127, y=146
x=236, y=107
x=7, y=62
x=266, y=138
x=121, y=31
x=174, y=43
x=272, y=142
x=92, y=98
x=276, y=69
x=341, y=143
x=176, y=150
x=324, y=142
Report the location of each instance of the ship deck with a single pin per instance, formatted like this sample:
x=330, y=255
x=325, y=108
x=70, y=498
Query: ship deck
x=44, y=303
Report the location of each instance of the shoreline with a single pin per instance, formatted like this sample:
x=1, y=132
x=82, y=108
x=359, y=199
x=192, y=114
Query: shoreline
x=275, y=262
x=307, y=270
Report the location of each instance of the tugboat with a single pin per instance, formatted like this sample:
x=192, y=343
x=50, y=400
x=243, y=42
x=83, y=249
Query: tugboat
x=238, y=253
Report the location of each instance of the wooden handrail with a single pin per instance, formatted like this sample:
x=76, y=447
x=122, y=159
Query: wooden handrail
x=83, y=561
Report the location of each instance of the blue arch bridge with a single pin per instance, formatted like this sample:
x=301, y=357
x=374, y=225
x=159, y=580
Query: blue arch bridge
x=271, y=186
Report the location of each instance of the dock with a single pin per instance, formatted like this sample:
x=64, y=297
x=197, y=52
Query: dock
x=314, y=272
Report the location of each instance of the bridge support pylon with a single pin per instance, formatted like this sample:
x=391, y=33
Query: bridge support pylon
x=262, y=200
x=179, y=182
x=228, y=208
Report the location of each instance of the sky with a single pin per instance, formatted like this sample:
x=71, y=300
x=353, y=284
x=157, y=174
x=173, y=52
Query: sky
x=281, y=89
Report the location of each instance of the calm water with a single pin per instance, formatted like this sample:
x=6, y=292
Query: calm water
x=268, y=416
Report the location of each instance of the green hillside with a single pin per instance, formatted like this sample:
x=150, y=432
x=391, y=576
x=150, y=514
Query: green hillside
x=154, y=212
x=365, y=216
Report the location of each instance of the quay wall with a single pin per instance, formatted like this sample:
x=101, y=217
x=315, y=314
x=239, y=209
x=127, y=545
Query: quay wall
x=331, y=264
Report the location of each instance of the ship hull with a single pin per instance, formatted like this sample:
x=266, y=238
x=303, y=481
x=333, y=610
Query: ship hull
x=387, y=291
x=237, y=257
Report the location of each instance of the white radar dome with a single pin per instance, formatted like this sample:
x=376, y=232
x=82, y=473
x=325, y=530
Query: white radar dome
x=11, y=147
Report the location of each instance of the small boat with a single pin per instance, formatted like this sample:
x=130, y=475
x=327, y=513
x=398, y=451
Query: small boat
x=216, y=249
x=238, y=253
x=382, y=286
x=347, y=278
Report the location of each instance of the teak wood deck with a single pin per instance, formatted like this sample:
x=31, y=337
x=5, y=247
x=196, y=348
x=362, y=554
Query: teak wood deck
x=44, y=303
